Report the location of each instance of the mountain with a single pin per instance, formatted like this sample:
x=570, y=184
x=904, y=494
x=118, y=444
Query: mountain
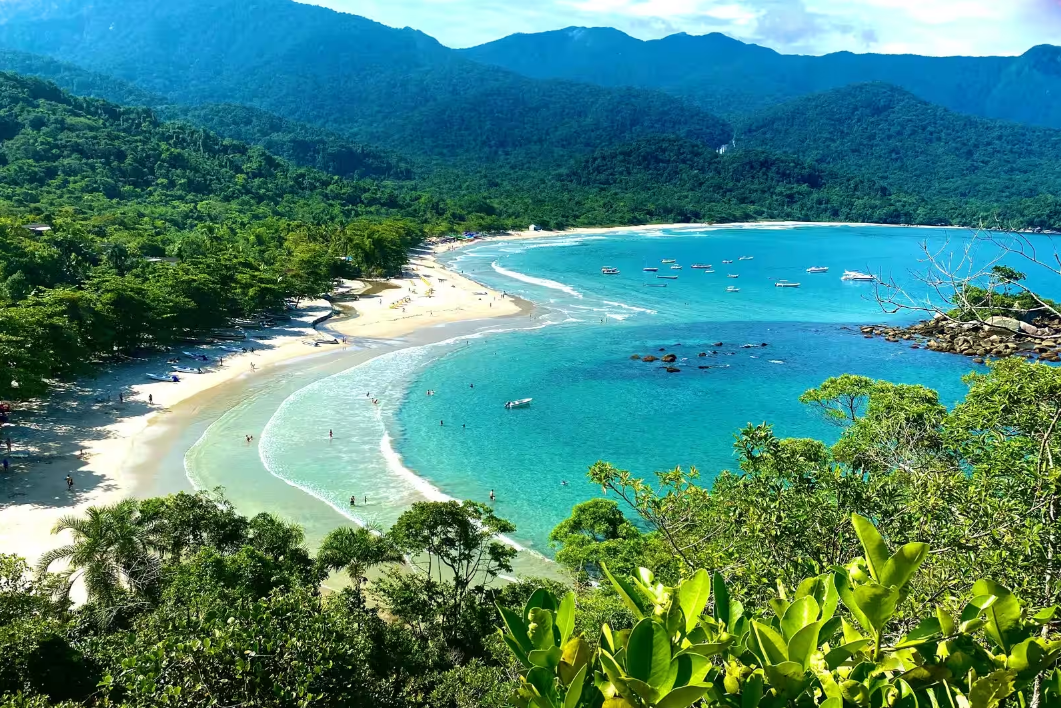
x=731, y=78
x=398, y=89
x=890, y=135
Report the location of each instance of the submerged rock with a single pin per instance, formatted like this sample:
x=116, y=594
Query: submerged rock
x=670, y=358
x=673, y=370
x=636, y=357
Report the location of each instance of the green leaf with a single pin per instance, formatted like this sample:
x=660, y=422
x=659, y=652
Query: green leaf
x=902, y=566
x=992, y=689
x=927, y=631
x=847, y=594
x=877, y=603
x=574, y=692
x=803, y=645
x=683, y=697
x=540, y=628
x=693, y=596
x=1027, y=657
x=876, y=550
x=946, y=622
x=722, y=608
x=705, y=649
x=542, y=680
x=772, y=646
x=627, y=593
x=689, y=668
x=907, y=697
x=540, y=599
x=799, y=614
x=516, y=628
x=518, y=651
x=646, y=693
x=648, y=653
x=546, y=658
x=565, y=617
x=1002, y=615
x=839, y=655
x=787, y=678
x=751, y=692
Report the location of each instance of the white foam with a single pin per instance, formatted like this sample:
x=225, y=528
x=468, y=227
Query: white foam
x=633, y=308
x=541, y=282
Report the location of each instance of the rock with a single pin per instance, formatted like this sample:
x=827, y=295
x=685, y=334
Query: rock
x=915, y=346
x=673, y=370
x=702, y=354
x=717, y=344
x=663, y=349
x=978, y=360
x=764, y=344
x=1054, y=359
x=867, y=336
x=865, y=330
x=636, y=357
x=670, y=359
x=1027, y=328
x=703, y=367
x=891, y=339
x=650, y=359
x=1050, y=343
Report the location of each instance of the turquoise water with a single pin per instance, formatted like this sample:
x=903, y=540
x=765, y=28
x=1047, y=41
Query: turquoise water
x=591, y=401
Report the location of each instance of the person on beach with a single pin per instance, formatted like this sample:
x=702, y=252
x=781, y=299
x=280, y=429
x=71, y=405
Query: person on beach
x=8, y=444
x=492, y=497
x=441, y=423
x=121, y=398
x=353, y=500
x=329, y=435
x=69, y=483
x=6, y=464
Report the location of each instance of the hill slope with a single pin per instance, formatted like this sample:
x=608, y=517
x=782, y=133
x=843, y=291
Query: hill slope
x=892, y=136
x=730, y=78
x=395, y=88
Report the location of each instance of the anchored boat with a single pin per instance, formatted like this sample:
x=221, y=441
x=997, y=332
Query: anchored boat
x=667, y=277
x=608, y=270
x=668, y=260
x=701, y=266
x=521, y=403
x=651, y=270
x=732, y=289
x=818, y=269
x=785, y=284
x=731, y=275
x=856, y=275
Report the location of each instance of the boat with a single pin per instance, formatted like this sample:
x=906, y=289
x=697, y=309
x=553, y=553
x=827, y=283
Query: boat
x=651, y=270
x=608, y=270
x=675, y=267
x=733, y=276
x=785, y=284
x=325, y=340
x=169, y=378
x=818, y=269
x=727, y=261
x=667, y=277
x=185, y=369
x=856, y=275
x=668, y=260
x=747, y=258
x=701, y=266
x=521, y=403
x=655, y=285
x=732, y=289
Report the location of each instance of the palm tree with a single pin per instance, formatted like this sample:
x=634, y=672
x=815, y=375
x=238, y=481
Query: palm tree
x=355, y=551
x=108, y=552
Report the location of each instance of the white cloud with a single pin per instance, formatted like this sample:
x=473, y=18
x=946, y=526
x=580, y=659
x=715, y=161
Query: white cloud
x=937, y=27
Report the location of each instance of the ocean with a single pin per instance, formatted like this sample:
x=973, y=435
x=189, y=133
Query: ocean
x=591, y=400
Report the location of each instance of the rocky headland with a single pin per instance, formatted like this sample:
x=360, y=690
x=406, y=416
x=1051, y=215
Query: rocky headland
x=995, y=337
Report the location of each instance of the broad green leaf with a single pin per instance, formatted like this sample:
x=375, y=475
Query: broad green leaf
x=540, y=628
x=704, y=649
x=1003, y=615
x=611, y=667
x=751, y=692
x=1027, y=657
x=946, y=622
x=518, y=651
x=648, y=654
x=772, y=645
x=877, y=553
x=688, y=669
x=850, y=633
x=822, y=589
x=799, y=614
x=903, y=564
x=829, y=628
x=721, y=592
x=841, y=654
x=683, y=697
x=546, y=658
x=517, y=628
x=607, y=640
x=542, y=680
x=787, y=678
x=565, y=617
x=927, y=631
x=832, y=703
x=541, y=599
x=847, y=594
x=693, y=596
x=803, y=645
x=627, y=593
x=1045, y=615
x=907, y=697
x=779, y=606
x=574, y=692
x=927, y=675
x=877, y=603
x=646, y=693
x=992, y=689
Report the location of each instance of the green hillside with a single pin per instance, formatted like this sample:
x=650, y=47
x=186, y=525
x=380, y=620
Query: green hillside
x=398, y=89
x=731, y=78
x=889, y=135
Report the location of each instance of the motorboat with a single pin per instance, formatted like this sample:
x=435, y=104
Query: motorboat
x=731, y=275
x=668, y=260
x=727, y=261
x=521, y=403
x=818, y=269
x=667, y=277
x=785, y=284
x=608, y=270
x=858, y=276
x=747, y=258
x=675, y=267
x=701, y=266
x=168, y=378
x=326, y=340
x=651, y=270
x=185, y=369
x=732, y=289
x=655, y=285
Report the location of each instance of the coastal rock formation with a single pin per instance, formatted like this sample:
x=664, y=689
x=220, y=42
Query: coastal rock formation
x=997, y=337
x=670, y=358
x=673, y=370
x=636, y=357
x=649, y=359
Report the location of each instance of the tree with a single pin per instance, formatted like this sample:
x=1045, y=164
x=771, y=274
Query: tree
x=355, y=551
x=597, y=532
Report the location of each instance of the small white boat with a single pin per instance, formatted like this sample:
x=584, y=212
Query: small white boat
x=169, y=378
x=818, y=269
x=675, y=267
x=701, y=266
x=858, y=276
x=655, y=285
x=667, y=277
x=608, y=270
x=747, y=258
x=521, y=403
x=185, y=369
x=651, y=270
x=785, y=284
x=732, y=289
x=668, y=260
x=727, y=261
x=732, y=276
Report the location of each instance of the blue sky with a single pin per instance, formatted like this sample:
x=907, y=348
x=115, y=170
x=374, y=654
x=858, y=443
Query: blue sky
x=936, y=27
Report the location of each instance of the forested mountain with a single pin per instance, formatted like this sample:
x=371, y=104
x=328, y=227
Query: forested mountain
x=729, y=78
x=398, y=89
x=888, y=134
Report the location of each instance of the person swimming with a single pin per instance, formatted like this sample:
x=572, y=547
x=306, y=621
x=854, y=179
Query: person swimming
x=492, y=497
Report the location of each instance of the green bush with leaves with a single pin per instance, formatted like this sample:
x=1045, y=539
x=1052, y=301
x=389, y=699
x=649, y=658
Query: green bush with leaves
x=834, y=642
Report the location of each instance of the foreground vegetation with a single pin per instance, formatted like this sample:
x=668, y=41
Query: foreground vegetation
x=913, y=563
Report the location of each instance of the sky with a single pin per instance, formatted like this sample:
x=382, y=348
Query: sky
x=931, y=27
